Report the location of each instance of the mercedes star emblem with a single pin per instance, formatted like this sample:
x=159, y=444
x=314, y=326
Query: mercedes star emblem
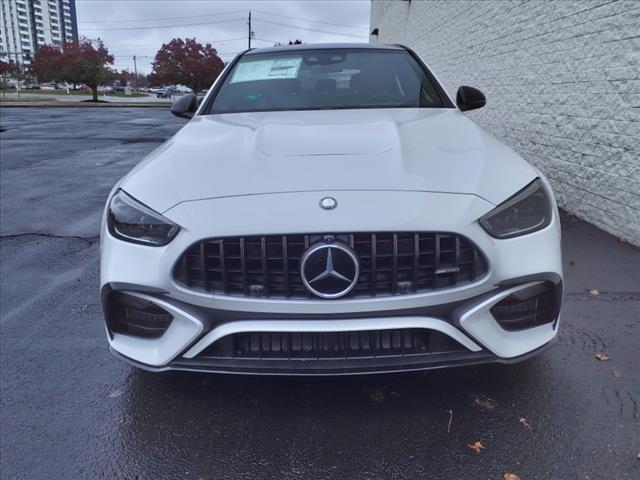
x=330, y=270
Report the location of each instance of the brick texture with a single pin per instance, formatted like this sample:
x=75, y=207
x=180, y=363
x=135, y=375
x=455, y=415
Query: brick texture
x=562, y=80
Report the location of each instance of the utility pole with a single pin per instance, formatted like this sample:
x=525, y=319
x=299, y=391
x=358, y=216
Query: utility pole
x=135, y=69
x=250, y=32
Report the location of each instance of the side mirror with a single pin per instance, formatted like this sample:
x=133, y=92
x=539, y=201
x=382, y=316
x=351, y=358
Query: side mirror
x=469, y=98
x=185, y=106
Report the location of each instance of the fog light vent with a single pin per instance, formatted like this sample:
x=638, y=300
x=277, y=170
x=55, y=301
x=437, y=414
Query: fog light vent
x=136, y=317
x=527, y=308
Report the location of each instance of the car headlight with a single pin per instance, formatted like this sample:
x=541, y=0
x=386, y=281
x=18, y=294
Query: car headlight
x=527, y=211
x=132, y=221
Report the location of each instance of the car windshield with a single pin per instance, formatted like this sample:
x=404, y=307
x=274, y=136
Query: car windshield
x=326, y=79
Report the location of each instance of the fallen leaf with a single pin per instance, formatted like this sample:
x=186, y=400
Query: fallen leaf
x=115, y=393
x=450, y=412
x=377, y=395
x=622, y=240
x=638, y=456
x=572, y=263
x=525, y=424
x=601, y=356
x=476, y=447
x=616, y=373
x=594, y=292
x=483, y=403
x=511, y=476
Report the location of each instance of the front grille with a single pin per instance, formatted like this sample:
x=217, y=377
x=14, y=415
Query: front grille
x=332, y=345
x=390, y=264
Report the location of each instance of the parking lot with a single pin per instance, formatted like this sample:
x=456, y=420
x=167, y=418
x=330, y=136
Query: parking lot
x=70, y=410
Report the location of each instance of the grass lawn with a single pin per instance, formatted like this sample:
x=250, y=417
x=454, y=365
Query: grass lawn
x=50, y=92
x=121, y=94
x=25, y=99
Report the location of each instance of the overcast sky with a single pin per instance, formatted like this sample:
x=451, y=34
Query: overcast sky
x=139, y=27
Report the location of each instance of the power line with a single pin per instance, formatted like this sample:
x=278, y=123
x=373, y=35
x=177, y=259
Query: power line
x=160, y=26
x=136, y=46
x=265, y=40
x=311, y=21
x=162, y=18
x=310, y=29
x=264, y=12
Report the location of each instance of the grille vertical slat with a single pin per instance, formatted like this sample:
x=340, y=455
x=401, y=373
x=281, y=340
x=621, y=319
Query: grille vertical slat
x=243, y=267
x=223, y=267
x=416, y=260
x=265, y=267
x=285, y=267
x=390, y=263
x=203, y=265
x=394, y=263
x=374, y=271
x=436, y=261
x=456, y=259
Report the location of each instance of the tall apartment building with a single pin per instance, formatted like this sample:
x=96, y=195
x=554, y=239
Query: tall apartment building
x=26, y=25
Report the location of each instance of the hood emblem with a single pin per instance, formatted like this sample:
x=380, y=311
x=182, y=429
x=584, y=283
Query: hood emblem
x=328, y=203
x=329, y=270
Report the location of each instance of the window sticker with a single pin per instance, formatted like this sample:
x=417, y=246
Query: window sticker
x=267, y=69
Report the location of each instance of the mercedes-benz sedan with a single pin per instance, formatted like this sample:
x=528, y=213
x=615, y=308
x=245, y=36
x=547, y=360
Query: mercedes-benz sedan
x=329, y=209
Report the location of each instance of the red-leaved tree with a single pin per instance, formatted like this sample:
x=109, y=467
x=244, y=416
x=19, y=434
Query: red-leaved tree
x=47, y=64
x=78, y=62
x=7, y=68
x=186, y=62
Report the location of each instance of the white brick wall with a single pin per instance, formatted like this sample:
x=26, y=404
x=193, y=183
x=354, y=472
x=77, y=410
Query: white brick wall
x=562, y=80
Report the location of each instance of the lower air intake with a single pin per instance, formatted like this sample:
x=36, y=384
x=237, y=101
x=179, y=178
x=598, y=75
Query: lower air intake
x=332, y=345
x=528, y=308
x=136, y=317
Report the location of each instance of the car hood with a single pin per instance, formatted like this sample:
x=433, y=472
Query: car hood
x=420, y=150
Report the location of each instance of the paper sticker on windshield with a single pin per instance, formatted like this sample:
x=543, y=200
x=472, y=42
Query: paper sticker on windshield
x=267, y=69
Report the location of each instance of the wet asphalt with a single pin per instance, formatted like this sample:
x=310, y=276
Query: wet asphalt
x=69, y=410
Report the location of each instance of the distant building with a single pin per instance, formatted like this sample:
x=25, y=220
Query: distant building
x=26, y=25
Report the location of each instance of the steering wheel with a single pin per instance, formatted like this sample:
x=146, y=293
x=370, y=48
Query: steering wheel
x=382, y=96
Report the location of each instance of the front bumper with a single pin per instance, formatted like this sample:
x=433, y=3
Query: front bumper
x=463, y=314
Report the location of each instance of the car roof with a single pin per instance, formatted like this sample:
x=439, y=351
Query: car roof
x=321, y=46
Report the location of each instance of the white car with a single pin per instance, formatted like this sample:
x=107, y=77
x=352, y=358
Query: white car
x=328, y=209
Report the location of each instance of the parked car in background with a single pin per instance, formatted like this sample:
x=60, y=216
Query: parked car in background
x=32, y=86
x=167, y=92
x=47, y=86
x=182, y=89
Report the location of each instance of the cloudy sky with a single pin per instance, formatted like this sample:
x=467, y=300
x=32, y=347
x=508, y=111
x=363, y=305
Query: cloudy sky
x=139, y=27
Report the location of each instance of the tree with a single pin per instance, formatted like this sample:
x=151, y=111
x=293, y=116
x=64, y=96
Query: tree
x=125, y=77
x=186, y=62
x=78, y=62
x=47, y=64
x=8, y=68
x=141, y=81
